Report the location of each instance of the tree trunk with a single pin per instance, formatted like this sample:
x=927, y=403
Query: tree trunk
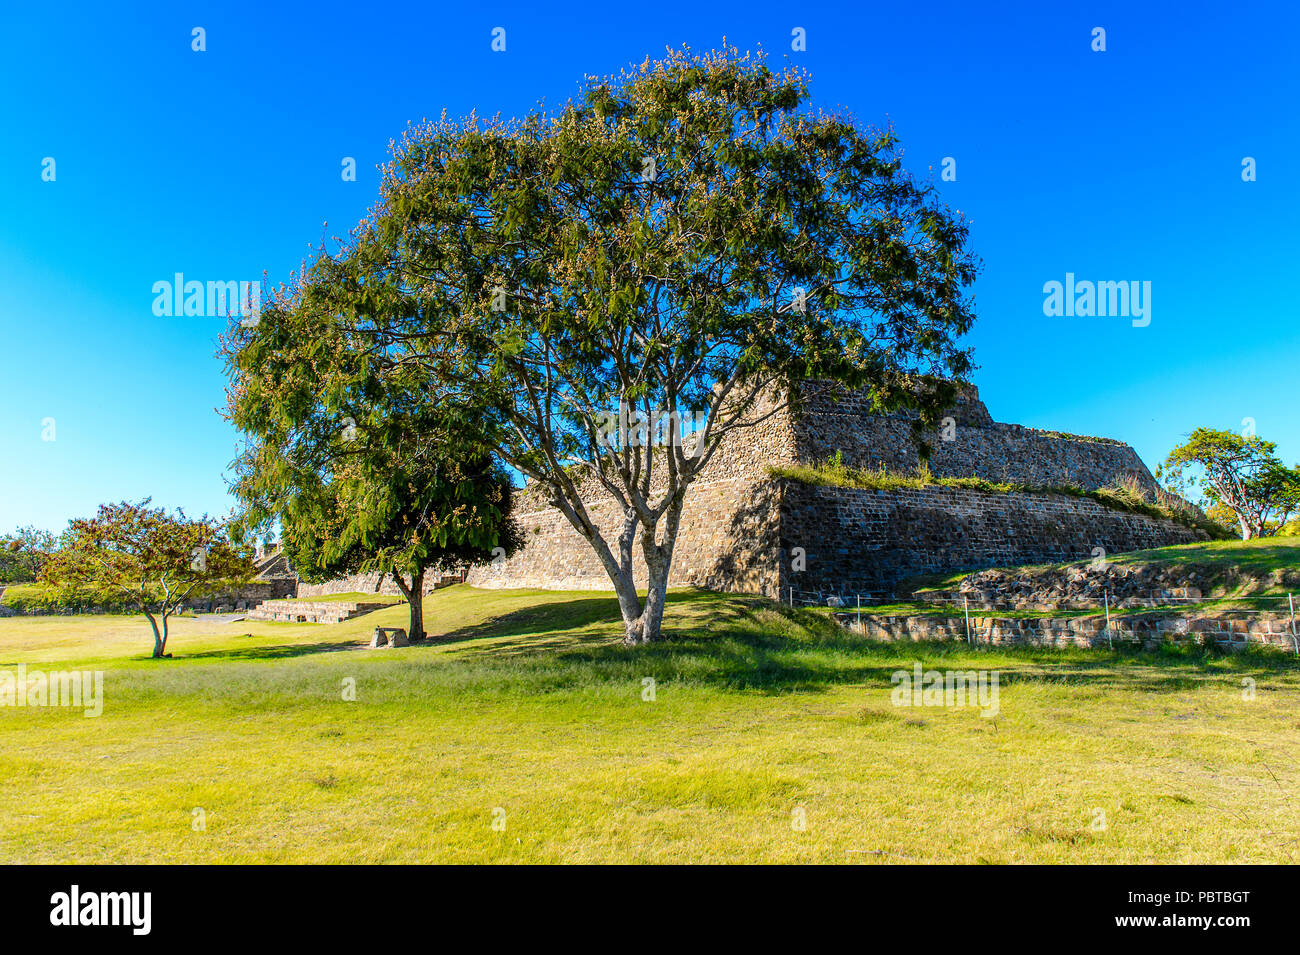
x=414, y=595
x=416, y=603
x=159, y=636
x=647, y=625
x=641, y=622
x=1247, y=532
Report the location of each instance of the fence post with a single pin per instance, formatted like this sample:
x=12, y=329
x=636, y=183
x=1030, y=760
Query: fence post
x=965, y=600
x=859, y=611
x=1290, y=599
x=1111, y=640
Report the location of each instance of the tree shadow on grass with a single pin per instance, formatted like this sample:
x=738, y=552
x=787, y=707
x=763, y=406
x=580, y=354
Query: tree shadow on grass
x=540, y=620
x=278, y=652
x=599, y=616
x=752, y=643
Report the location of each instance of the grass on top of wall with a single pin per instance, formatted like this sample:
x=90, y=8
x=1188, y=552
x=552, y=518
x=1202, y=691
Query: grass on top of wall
x=1125, y=494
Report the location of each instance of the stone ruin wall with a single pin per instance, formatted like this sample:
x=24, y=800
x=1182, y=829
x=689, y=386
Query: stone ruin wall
x=862, y=541
x=980, y=447
x=371, y=584
x=1150, y=632
x=740, y=524
x=727, y=540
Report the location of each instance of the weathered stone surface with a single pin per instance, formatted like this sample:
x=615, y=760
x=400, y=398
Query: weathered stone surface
x=740, y=526
x=305, y=611
x=388, y=637
x=871, y=540
x=978, y=446
x=1149, y=631
x=1082, y=587
x=371, y=584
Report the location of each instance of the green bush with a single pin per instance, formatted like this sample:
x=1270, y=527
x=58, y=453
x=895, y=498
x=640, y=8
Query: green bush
x=41, y=598
x=38, y=598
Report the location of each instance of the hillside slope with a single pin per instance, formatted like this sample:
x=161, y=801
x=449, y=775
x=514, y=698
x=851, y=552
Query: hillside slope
x=1256, y=574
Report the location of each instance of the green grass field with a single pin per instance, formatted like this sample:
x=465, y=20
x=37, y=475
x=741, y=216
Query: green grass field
x=531, y=715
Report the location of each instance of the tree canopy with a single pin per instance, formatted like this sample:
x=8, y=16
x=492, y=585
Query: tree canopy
x=388, y=480
x=1240, y=476
x=155, y=559
x=23, y=553
x=688, y=242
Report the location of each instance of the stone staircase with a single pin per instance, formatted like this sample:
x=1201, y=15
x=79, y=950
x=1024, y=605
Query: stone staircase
x=312, y=611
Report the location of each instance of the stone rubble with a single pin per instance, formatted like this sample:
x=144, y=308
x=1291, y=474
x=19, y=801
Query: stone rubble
x=1089, y=586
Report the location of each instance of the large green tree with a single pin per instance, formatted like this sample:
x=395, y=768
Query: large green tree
x=1239, y=475
x=154, y=559
x=687, y=242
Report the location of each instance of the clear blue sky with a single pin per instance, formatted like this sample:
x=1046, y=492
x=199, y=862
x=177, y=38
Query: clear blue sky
x=1117, y=165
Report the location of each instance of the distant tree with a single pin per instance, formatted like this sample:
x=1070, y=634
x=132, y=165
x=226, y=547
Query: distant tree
x=383, y=476
x=23, y=553
x=1281, y=486
x=154, y=559
x=688, y=243
x=1240, y=476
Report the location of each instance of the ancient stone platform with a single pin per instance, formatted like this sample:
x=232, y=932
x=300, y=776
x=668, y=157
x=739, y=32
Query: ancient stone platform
x=744, y=530
x=309, y=611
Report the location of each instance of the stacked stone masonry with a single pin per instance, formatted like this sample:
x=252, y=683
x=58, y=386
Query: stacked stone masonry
x=1147, y=631
x=373, y=584
x=741, y=526
x=309, y=611
x=972, y=445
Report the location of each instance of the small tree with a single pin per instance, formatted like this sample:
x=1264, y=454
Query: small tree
x=23, y=554
x=386, y=476
x=403, y=523
x=154, y=559
x=1239, y=475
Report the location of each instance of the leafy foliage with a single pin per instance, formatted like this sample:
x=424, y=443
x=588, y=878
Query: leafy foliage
x=687, y=241
x=374, y=475
x=23, y=553
x=153, y=559
x=1241, y=478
